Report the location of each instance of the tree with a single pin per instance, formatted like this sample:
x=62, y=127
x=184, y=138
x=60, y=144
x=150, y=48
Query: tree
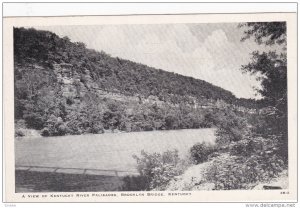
x=267, y=33
x=271, y=69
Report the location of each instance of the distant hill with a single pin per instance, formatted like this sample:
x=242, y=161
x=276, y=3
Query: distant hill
x=63, y=87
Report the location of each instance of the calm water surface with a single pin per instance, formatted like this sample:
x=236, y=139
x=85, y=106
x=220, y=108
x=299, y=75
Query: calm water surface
x=112, y=151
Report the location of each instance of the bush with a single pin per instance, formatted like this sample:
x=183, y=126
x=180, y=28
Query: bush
x=231, y=127
x=200, y=152
x=241, y=148
x=171, y=122
x=226, y=173
x=19, y=133
x=70, y=101
x=96, y=127
x=45, y=132
x=254, y=145
x=55, y=127
x=20, y=124
x=249, y=160
x=62, y=129
x=158, y=169
x=34, y=120
x=229, y=172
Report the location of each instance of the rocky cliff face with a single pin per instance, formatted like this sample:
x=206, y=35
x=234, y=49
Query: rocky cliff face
x=75, y=86
x=71, y=85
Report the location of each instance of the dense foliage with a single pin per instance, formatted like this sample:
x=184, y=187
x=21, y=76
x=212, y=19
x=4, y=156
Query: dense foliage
x=271, y=68
x=201, y=152
x=246, y=158
x=44, y=64
x=156, y=169
x=113, y=74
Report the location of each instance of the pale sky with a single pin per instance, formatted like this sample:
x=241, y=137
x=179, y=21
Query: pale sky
x=211, y=52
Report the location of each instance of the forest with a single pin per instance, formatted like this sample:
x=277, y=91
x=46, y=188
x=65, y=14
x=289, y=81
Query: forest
x=58, y=84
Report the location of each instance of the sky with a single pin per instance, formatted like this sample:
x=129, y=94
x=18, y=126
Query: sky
x=212, y=52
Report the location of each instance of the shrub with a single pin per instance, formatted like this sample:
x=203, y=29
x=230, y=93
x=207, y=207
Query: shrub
x=34, y=120
x=62, y=129
x=225, y=173
x=55, y=127
x=171, y=122
x=20, y=124
x=96, y=127
x=231, y=127
x=249, y=160
x=200, y=152
x=241, y=148
x=238, y=172
x=45, y=132
x=74, y=126
x=158, y=169
x=254, y=145
x=19, y=133
x=70, y=101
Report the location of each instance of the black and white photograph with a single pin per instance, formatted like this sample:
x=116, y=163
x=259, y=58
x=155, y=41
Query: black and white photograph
x=147, y=108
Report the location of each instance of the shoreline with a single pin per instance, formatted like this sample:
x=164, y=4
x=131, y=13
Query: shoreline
x=106, y=132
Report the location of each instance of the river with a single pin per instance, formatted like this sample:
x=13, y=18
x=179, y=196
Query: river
x=109, y=151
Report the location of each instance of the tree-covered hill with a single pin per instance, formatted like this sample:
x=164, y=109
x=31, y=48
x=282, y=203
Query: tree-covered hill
x=112, y=74
x=62, y=87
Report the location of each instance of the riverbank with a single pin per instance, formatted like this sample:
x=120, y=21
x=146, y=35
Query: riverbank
x=32, y=181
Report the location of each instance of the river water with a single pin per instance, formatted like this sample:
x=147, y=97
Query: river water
x=109, y=151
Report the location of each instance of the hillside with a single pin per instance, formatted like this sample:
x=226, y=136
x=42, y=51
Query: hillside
x=65, y=88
